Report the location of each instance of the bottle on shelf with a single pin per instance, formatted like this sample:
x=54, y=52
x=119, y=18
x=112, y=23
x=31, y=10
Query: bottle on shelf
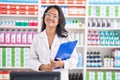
x=114, y=23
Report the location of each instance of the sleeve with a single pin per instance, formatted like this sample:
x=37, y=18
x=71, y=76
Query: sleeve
x=33, y=57
x=73, y=60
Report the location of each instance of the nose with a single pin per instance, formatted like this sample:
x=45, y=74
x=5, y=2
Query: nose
x=51, y=17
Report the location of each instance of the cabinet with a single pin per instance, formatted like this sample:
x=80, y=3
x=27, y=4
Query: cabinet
x=95, y=24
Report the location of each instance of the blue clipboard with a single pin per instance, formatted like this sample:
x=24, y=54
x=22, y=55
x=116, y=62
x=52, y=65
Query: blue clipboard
x=65, y=50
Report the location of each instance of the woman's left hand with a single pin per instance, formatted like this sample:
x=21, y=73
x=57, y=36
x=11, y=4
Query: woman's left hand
x=58, y=63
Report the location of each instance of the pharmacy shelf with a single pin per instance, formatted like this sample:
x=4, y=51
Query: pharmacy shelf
x=95, y=46
x=104, y=4
x=102, y=28
x=96, y=12
x=64, y=4
x=72, y=29
x=103, y=68
x=14, y=45
x=75, y=28
x=18, y=3
x=75, y=17
x=17, y=15
x=78, y=68
x=105, y=17
x=17, y=27
x=15, y=69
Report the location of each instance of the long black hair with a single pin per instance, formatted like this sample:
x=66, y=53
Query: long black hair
x=60, y=30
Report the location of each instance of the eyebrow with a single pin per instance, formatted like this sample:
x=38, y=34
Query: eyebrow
x=52, y=13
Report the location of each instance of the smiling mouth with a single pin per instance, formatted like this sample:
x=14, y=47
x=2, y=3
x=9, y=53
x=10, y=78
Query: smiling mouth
x=50, y=22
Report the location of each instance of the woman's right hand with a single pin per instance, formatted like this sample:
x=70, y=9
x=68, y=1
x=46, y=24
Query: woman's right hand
x=47, y=67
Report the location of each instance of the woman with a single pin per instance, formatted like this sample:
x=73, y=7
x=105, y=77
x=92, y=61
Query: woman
x=45, y=45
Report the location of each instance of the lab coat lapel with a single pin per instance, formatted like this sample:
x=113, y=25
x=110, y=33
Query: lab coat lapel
x=55, y=44
x=54, y=47
x=45, y=39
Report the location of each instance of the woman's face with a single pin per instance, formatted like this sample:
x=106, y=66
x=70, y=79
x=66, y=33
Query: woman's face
x=51, y=18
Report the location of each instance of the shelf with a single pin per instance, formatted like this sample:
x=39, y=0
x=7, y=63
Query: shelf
x=100, y=28
x=75, y=28
x=16, y=15
x=104, y=4
x=78, y=68
x=104, y=68
x=109, y=17
x=15, y=3
x=15, y=69
x=16, y=27
x=74, y=16
x=14, y=45
x=103, y=46
x=64, y=4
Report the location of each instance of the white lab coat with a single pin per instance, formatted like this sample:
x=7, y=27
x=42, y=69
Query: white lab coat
x=41, y=54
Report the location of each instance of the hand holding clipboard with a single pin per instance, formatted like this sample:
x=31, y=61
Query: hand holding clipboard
x=65, y=50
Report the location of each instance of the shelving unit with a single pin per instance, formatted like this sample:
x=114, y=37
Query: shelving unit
x=103, y=17
x=18, y=25
x=92, y=23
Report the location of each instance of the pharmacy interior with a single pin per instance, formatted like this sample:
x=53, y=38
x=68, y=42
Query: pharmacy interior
x=94, y=23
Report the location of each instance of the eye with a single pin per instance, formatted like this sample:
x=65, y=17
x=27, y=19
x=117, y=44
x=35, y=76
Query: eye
x=48, y=14
x=56, y=17
x=52, y=15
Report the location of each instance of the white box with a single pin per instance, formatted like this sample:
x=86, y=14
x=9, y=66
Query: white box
x=100, y=76
x=26, y=54
x=108, y=76
x=91, y=75
x=17, y=57
x=112, y=11
x=93, y=11
x=8, y=57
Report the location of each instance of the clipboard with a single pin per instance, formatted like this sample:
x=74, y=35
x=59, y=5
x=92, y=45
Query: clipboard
x=65, y=50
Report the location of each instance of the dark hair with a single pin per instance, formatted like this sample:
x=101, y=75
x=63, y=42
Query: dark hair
x=60, y=30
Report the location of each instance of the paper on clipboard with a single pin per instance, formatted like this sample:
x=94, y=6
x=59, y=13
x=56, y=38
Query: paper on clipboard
x=65, y=50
